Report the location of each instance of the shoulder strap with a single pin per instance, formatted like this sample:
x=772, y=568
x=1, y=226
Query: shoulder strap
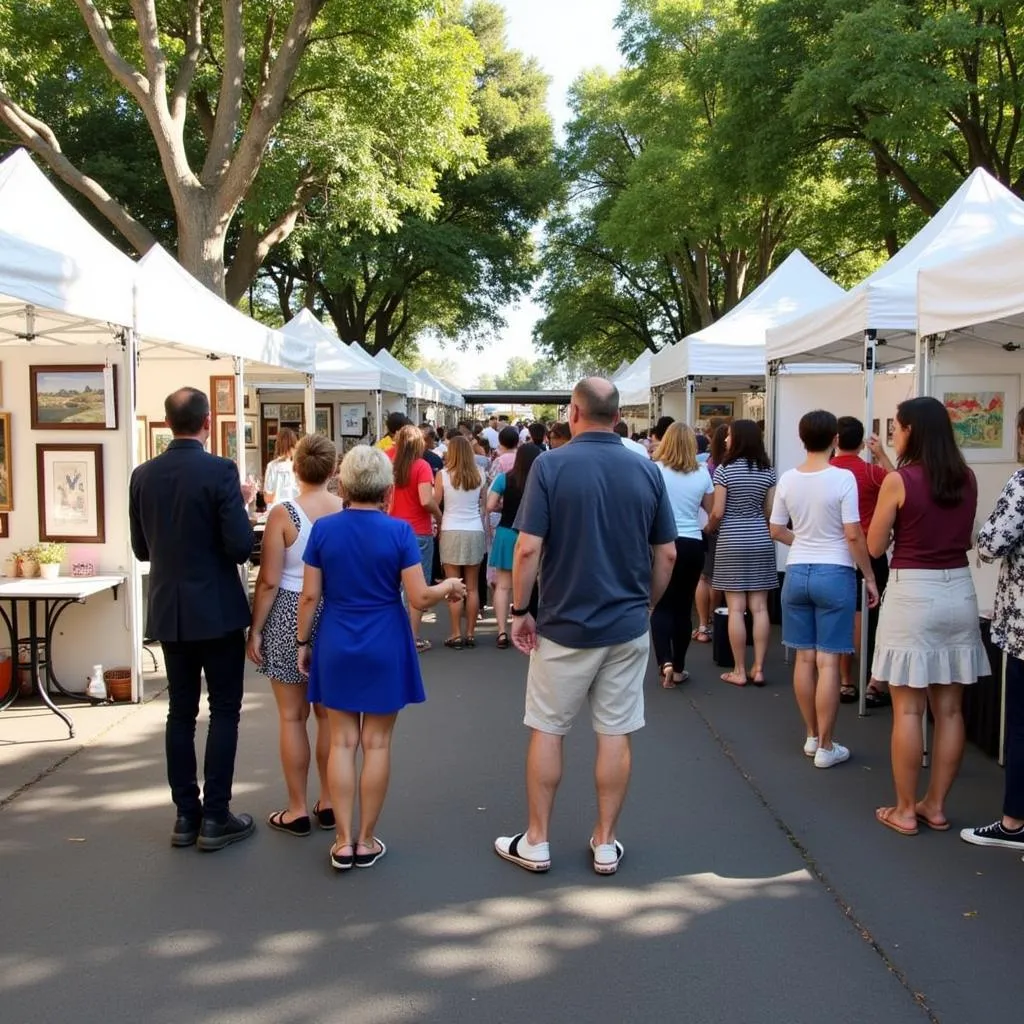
x=294, y=513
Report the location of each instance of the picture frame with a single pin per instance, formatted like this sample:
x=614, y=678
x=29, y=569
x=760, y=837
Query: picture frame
x=271, y=412
x=4, y=526
x=69, y=481
x=6, y=471
x=709, y=408
x=141, y=439
x=352, y=417
x=72, y=397
x=291, y=413
x=222, y=396
x=228, y=448
x=160, y=437
x=983, y=412
x=324, y=421
x=890, y=432
x=250, y=432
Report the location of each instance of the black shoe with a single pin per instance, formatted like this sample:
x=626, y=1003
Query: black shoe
x=215, y=835
x=324, y=816
x=994, y=835
x=186, y=831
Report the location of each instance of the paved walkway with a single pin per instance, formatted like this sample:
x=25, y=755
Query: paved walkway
x=754, y=887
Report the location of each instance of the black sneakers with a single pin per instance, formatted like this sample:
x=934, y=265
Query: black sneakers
x=215, y=835
x=994, y=835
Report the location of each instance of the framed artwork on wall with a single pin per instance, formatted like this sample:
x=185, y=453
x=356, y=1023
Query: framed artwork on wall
x=4, y=531
x=141, y=440
x=6, y=476
x=228, y=440
x=250, y=432
x=352, y=417
x=222, y=396
x=983, y=413
x=69, y=480
x=73, y=397
x=707, y=408
x=325, y=421
x=271, y=412
x=160, y=437
x=291, y=413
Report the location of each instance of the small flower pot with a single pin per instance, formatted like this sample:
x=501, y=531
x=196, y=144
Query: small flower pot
x=49, y=570
x=29, y=568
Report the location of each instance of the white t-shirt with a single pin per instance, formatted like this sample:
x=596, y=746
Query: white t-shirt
x=461, y=508
x=279, y=480
x=524, y=436
x=819, y=505
x=492, y=437
x=635, y=446
x=685, y=493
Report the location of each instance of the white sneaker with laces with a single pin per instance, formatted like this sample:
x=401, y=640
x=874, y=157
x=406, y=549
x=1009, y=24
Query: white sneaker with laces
x=830, y=758
x=811, y=746
x=607, y=856
x=517, y=849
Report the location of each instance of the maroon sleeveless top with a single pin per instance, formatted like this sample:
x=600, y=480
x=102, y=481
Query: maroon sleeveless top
x=927, y=536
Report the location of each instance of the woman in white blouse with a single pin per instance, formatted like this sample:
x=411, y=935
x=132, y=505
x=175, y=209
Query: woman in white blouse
x=279, y=483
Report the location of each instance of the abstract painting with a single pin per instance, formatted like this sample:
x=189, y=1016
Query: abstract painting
x=979, y=408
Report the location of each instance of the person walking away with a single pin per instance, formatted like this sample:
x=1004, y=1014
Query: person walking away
x=827, y=546
x=491, y=433
x=393, y=424
x=929, y=640
x=1002, y=536
x=538, y=435
x=708, y=599
x=272, y=648
x=413, y=502
x=628, y=443
x=690, y=491
x=361, y=659
x=745, y=565
x=187, y=518
x=430, y=455
x=559, y=435
x=279, y=483
x=590, y=516
x=504, y=498
x=870, y=478
x=460, y=485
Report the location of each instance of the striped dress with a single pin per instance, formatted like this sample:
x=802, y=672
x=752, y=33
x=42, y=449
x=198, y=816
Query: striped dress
x=745, y=553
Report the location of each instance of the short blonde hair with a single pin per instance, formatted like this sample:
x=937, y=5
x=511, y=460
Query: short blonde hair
x=314, y=459
x=678, y=449
x=366, y=474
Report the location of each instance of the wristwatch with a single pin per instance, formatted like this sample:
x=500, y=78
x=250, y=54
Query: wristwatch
x=518, y=613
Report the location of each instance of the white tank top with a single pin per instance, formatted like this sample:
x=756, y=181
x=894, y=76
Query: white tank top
x=461, y=508
x=294, y=568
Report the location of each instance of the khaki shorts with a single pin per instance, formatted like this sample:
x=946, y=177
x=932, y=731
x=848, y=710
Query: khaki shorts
x=610, y=678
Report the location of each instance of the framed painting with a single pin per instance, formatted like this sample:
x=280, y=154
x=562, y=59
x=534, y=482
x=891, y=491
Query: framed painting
x=708, y=408
x=890, y=432
x=222, y=396
x=228, y=440
x=291, y=413
x=250, y=432
x=325, y=421
x=160, y=437
x=352, y=417
x=983, y=412
x=6, y=476
x=69, y=479
x=73, y=397
x=4, y=530
x=271, y=412
x=141, y=440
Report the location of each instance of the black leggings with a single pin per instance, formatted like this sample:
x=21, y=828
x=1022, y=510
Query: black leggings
x=671, y=622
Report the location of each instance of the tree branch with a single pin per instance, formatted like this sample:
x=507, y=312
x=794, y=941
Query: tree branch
x=187, y=71
x=229, y=102
x=130, y=77
x=152, y=51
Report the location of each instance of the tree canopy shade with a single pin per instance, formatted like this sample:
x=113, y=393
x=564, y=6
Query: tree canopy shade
x=257, y=107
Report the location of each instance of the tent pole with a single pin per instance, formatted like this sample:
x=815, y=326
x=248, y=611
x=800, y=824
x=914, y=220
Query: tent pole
x=239, y=418
x=870, y=345
x=309, y=403
x=379, y=400
x=771, y=391
x=133, y=598
x=689, y=400
x=927, y=350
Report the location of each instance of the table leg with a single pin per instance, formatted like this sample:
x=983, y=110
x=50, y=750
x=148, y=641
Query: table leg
x=33, y=641
x=12, y=693
x=53, y=613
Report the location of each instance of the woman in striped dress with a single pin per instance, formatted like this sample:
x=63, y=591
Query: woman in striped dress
x=745, y=566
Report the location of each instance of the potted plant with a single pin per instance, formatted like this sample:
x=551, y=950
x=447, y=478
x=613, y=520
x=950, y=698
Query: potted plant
x=28, y=563
x=49, y=556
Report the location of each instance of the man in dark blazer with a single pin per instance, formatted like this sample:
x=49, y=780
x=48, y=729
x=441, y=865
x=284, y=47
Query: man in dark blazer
x=188, y=520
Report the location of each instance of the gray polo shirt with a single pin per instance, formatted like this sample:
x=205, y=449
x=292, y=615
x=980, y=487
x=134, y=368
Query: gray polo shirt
x=598, y=509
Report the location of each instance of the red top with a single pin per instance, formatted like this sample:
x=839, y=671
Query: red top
x=928, y=536
x=869, y=483
x=406, y=502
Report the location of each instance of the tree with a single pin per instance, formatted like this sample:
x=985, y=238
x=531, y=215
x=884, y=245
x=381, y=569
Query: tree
x=453, y=272
x=365, y=103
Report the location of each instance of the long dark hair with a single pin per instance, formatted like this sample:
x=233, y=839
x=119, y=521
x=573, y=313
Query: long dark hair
x=747, y=442
x=932, y=446
x=525, y=458
x=719, y=444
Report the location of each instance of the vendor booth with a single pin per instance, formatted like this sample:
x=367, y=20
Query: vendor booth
x=450, y=400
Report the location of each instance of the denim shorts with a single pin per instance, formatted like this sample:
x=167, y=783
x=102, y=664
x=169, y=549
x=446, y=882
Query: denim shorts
x=426, y=546
x=818, y=606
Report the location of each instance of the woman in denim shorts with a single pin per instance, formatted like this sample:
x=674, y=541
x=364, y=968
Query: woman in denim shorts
x=817, y=514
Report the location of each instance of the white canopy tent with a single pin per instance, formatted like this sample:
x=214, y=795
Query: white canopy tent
x=634, y=383
x=417, y=391
x=734, y=347
x=391, y=380
x=446, y=395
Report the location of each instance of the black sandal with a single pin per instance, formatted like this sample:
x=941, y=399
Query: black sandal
x=325, y=817
x=503, y=642
x=470, y=642
x=297, y=827
x=877, y=698
x=848, y=694
x=454, y=642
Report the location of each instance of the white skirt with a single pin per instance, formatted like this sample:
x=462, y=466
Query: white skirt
x=928, y=629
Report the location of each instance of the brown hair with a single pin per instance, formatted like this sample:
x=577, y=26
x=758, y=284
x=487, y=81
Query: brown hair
x=409, y=446
x=461, y=465
x=678, y=449
x=284, y=447
x=314, y=459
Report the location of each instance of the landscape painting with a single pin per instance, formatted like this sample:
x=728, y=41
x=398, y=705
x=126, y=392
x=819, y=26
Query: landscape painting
x=977, y=408
x=70, y=397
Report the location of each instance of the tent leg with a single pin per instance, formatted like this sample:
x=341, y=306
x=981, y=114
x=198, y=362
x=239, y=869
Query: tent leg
x=133, y=596
x=689, y=400
x=239, y=418
x=379, y=400
x=770, y=412
x=869, y=415
x=309, y=404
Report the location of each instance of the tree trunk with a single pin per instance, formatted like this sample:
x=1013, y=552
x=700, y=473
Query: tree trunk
x=202, y=232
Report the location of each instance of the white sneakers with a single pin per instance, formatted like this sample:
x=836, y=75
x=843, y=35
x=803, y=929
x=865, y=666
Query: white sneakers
x=537, y=857
x=811, y=746
x=830, y=758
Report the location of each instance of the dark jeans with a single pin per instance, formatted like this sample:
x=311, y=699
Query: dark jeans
x=223, y=662
x=1013, y=800
x=671, y=623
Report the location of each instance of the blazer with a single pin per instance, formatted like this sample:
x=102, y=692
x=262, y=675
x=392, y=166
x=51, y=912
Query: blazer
x=188, y=521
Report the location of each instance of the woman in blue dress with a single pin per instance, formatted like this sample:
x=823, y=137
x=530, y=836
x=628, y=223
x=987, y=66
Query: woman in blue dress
x=363, y=666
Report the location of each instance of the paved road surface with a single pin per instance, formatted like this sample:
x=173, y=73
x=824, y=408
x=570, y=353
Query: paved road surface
x=754, y=887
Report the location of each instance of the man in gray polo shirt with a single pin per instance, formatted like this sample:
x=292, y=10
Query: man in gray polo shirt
x=589, y=519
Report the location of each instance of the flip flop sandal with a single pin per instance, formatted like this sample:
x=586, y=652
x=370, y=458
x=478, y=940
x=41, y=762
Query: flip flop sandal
x=423, y=645
x=667, y=682
x=848, y=695
x=325, y=817
x=454, y=643
x=297, y=827
x=703, y=636
x=732, y=682
x=470, y=642
x=367, y=860
x=503, y=642
x=883, y=816
x=342, y=861
x=935, y=826
x=877, y=699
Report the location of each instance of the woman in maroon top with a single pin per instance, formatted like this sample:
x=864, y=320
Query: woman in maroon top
x=929, y=641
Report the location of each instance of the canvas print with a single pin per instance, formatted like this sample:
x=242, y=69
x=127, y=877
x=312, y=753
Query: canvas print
x=70, y=482
x=160, y=437
x=222, y=396
x=6, y=500
x=70, y=397
x=229, y=440
x=325, y=421
x=978, y=417
x=291, y=413
x=352, y=417
x=719, y=407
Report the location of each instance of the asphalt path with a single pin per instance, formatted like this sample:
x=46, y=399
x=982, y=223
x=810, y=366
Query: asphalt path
x=754, y=887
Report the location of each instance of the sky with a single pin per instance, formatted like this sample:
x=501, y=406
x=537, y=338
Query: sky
x=566, y=37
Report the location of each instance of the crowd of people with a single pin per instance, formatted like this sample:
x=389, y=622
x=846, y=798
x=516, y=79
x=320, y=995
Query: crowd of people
x=591, y=552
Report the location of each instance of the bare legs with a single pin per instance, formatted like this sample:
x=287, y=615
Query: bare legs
x=908, y=706
x=502, y=598
x=349, y=732
x=293, y=712
x=703, y=602
x=544, y=772
x=804, y=686
x=738, y=603
x=816, y=685
x=470, y=605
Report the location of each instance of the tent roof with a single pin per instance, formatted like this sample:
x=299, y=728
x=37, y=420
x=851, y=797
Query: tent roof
x=734, y=346
x=634, y=383
x=389, y=379
x=415, y=388
x=53, y=259
x=448, y=396
x=980, y=218
x=337, y=367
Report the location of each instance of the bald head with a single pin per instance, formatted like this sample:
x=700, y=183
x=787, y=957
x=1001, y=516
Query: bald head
x=186, y=410
x=597, y=400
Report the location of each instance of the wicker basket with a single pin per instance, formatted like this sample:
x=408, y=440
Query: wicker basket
x=119, y=683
